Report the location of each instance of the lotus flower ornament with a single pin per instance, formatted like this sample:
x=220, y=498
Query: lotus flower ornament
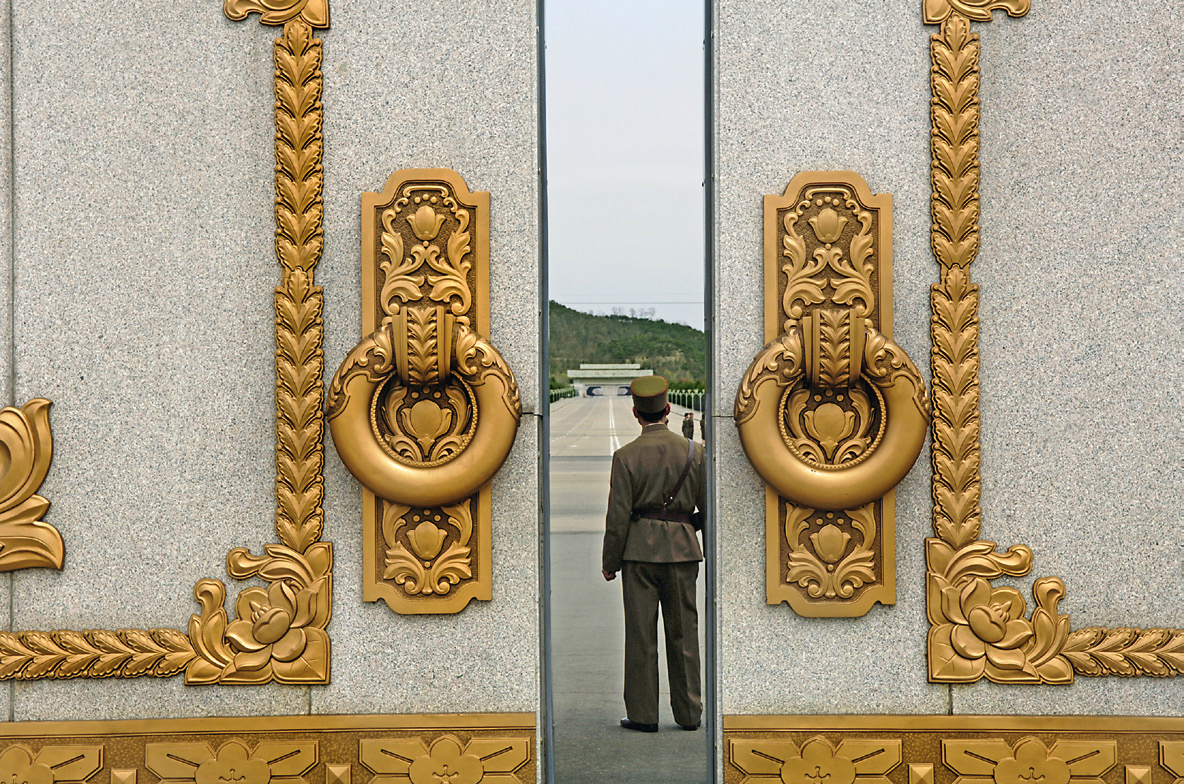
x=426, y=223
x=828, y=225
x=830, y=543
x=426, y=540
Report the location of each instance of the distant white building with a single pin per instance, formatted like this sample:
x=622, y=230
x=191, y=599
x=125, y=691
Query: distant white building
x=606, y=379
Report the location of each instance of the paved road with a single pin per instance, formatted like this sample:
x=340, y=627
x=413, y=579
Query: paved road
x=587, y=619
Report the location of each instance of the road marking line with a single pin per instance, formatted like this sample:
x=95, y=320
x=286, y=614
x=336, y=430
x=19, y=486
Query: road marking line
x=614, y=443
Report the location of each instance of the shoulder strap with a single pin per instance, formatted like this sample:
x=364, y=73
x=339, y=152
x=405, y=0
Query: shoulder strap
x=686, y=469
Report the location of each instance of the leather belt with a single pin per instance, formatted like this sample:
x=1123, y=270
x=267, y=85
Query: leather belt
x=662, y=514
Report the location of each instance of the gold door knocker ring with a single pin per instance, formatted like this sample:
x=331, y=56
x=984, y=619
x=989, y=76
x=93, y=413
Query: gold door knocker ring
x=424, y=411
x=810, y=428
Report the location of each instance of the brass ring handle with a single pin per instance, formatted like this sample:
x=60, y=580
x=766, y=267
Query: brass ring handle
x=789, y=363
x=381, y=358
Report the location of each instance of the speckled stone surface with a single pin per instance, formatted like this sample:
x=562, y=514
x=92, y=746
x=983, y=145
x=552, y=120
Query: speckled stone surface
x=5, y=212
x=145, y=269
x=484, y=658
x=451, y=87
x=145, y=261
x=5, y=291
x=800, y=90
x=1080, y=268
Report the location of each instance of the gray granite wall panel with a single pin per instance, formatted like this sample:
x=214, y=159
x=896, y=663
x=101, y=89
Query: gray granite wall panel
x=1080, y=268
x=1081, y=262
x=5, y=281
x=454, y=86
x=143, y=246
x=803, y=88
x=144, y=255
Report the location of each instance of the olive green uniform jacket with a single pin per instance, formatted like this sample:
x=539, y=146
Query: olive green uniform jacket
x=644, y=471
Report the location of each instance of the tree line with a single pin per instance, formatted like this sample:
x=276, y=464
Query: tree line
x=675, y=351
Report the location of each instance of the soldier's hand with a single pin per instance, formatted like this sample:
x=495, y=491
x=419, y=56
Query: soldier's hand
x=608, y=576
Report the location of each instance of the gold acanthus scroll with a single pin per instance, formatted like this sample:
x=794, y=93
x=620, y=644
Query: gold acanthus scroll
x=26, y=448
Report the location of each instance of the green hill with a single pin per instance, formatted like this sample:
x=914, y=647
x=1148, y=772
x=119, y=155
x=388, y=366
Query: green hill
x=676, y=351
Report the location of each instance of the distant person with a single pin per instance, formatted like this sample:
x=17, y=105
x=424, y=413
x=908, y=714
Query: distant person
x=656, y=483
x=688, y=425
x=702, y=435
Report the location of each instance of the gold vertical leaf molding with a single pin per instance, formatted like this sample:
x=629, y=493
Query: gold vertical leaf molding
x=978, y=630
x=278, y=632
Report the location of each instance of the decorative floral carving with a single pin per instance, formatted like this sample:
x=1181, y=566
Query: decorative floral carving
x=827, y=382
x=848, y=274
x=314, y=13
x=50, y=765
x=937, y=11
x=445, y=762
x=25, y=541
x=418, y=570
x=279, y=632
x=1029, y=762
x=425, y=223
x=448, y=759
x=817, y=762
x=978, y=630
x=272, y=762
x=825, y=567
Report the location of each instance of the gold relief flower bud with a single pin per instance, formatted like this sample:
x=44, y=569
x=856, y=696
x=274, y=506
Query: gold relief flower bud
x=830, y=543
x=426, y=422
x=425, y=223
x=426, y=540
x=828, y=225
x=989, y=621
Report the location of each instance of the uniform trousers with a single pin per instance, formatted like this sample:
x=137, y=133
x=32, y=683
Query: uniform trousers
x=645, y=586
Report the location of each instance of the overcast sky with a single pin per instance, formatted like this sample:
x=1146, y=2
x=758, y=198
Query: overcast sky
x=625, y=155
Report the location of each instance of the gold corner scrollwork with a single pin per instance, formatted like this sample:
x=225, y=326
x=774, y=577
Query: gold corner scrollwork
x=27, y=444
x=425, y=410
x=831, y=413
x=278, y=632
x=976, y=629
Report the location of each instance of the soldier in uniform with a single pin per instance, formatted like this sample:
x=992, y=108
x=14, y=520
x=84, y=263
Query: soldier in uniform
x=657, y=482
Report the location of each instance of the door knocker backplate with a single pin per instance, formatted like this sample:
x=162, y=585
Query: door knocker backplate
x=831, y=413
x=424, y=410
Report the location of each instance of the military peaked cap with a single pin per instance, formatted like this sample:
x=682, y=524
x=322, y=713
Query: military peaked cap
x=649, y=394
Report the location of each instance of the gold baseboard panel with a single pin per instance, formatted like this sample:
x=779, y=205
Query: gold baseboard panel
x=953, y=750
x=477, y=748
